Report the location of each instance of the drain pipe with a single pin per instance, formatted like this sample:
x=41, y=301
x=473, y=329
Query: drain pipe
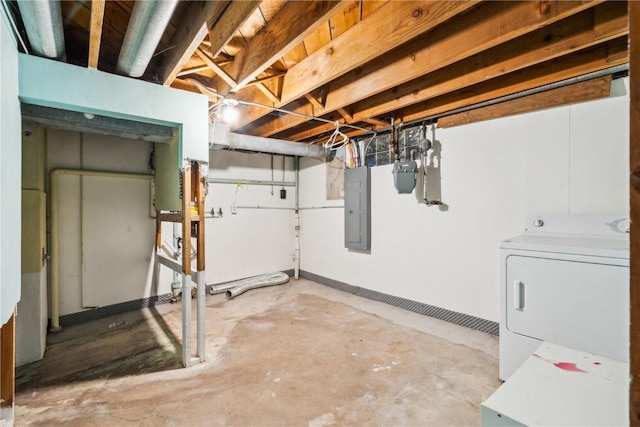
x=148, y=22
x=43, y=22
x=53, y=212
x=296, y=247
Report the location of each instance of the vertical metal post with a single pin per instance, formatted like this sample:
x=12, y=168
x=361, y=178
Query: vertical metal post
x=186, y=320
x=201, y=316
x=200, y=196
x=186, y=266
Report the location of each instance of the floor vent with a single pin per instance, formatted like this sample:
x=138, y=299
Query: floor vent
x=461, y=319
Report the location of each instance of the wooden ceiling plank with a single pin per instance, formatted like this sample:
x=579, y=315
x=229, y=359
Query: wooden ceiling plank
x=234, y=17
x=596, y=58
x=289, y=26
x=579, y=92
x=95, y=31
x=390, y=26
x=527, y=52
x=194, y=29
x=473, y=70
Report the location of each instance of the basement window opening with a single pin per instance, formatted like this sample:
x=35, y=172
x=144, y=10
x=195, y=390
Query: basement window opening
x=378, y=151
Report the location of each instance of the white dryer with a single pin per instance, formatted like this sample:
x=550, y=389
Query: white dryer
x=565, y=280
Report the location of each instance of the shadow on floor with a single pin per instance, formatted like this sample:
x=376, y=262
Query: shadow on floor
x=128, y=344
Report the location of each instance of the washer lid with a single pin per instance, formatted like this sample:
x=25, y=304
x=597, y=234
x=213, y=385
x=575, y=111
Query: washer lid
x=601, y=246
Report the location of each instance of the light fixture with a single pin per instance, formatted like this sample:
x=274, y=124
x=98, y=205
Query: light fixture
x=226, y=110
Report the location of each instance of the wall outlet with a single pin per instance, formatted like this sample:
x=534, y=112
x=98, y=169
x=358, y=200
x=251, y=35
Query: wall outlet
x=234, y=210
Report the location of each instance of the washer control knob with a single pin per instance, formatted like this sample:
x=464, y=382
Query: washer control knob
x=538, y=222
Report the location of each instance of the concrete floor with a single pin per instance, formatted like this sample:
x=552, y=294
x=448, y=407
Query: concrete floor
x=296, y=354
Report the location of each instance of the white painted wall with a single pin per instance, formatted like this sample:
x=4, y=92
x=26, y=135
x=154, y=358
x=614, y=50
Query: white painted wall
x=107, y=236
x=10, y=173
x=568, y=160
x=253, y=241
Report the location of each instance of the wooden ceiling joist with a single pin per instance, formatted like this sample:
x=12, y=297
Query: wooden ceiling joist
x=194, y=28
x=393, y=24
x=234, y=16
x=589, y=60
x=95, y=31
x=579, y=92
x=543, y=45
x=481, y=29
x=295, y=21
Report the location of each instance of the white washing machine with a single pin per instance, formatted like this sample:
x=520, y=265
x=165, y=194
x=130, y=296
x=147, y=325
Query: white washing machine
x=565, y=280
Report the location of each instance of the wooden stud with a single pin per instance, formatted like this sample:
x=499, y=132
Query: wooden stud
x=201, y=209
x=95, y=31
x=634, y=165
x=8, y=365
x=579, y=92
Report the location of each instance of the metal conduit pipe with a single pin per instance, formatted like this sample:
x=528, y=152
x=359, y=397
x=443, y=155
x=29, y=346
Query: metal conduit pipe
x=257, y=282
x=53, y=203
x=242, y=181
x=149, y=20
x=43, y=22
x=221, y=137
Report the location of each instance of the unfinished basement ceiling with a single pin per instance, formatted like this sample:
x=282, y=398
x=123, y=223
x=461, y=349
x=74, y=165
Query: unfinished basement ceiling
x=364, y=63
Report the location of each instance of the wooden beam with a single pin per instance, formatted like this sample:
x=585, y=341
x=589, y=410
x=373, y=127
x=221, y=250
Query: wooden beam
x=234, y=16
x=392, y=25
x=601, y=57
x=314, y=101
x=579, y=92
x=295, y=21
x=266, y=78
x=634, y=165
x=490, y=25
x=555, y=41
x=193, y=70
x=95, y=31
x=8, y=365
x=193, y=28
x=215, y=67
x=596, y=58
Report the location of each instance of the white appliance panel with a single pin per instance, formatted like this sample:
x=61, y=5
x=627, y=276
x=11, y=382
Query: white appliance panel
x=579, y=304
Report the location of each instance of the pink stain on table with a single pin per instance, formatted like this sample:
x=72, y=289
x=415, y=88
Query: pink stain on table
x=565, y=366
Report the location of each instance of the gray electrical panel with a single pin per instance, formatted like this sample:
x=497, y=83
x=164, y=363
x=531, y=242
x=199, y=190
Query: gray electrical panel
x=357, y=208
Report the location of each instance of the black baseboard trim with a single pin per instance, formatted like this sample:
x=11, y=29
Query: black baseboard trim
x=461, y=319
x=124, y=307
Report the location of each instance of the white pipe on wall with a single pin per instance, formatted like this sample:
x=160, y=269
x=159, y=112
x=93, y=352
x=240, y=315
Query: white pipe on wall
x=55, y=260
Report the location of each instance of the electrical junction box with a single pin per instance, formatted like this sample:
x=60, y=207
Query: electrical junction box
x=357, y=208
x=404, y=175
